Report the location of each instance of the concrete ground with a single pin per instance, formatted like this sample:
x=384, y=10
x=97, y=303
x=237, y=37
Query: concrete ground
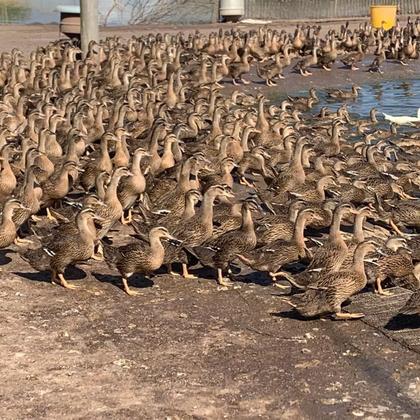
x=185, y=350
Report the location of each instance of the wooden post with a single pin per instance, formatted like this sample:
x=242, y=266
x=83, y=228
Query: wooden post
x=215, y=18
x=89, y=23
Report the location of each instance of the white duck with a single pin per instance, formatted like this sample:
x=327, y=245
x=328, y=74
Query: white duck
x=403, y=120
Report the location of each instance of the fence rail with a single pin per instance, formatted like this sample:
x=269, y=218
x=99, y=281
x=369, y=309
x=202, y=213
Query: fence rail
x=320, y=9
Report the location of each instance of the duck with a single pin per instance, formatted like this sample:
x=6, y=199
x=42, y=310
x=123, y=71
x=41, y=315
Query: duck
x=30, y=197
x=224, y=249
x=273, y=227
x=7, y=177
x=272, y=71
x=7, y=226
x=315, y=192
x=168, y=219
x=329, y=55
x=303, y=65
x=138, y=257
x=57, y=186
x=59, y=251
x=376, y=65
x=270, y=258
x=196, y=230
x=101, y=163
x=402, y=120
x=112, y=210
x=343, y=94
x=351, y=59
x=332, y=289
x=294, y=175
x=331, y=255
x=396, y=265
x=130, y=188
x=236, y=70
x=404, y=214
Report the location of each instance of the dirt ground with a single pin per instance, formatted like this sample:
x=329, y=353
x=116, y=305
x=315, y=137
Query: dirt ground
x=184, y=349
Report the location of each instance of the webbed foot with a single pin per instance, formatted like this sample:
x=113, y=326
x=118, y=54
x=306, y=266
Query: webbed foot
x=127, y=289
x=186, y=274
x=350, y=315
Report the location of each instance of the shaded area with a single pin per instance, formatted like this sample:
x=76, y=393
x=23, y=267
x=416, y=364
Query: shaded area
x=382, y=313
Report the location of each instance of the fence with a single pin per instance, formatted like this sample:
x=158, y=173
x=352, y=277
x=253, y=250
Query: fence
x=320, y=9
x=123, y=12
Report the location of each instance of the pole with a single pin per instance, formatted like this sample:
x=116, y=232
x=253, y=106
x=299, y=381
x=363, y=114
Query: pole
x=89, y=23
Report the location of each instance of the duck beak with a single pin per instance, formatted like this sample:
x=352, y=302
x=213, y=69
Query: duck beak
x=98, y=218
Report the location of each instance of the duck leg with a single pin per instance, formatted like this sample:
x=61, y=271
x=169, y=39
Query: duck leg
x=223, y=281
x=288, y=277
x=245, y=82
x=234, y=81
x=353, y=67
x=274, y=280
x=58, y=278
x=326, y=68
x=244, y=181
x=350, y=315
x=129, y=219
x=395, y=227
x=127, y=288
x=186, y=274
x=408, y=196
x=19, y=241
x=171, y=271
x=379, y=289
x=50, y=216
x=99, y=254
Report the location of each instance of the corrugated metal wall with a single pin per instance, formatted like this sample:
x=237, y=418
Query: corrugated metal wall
x=320, y=9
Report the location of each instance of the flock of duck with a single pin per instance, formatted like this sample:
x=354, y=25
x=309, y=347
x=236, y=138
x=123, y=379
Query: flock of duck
x=139, y=137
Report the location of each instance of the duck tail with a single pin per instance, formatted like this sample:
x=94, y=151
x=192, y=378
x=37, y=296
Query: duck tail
x=37, y=258
x=204, y=254
x=111, y=255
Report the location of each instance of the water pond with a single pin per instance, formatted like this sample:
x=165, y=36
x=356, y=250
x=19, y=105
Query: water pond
x=394, y=97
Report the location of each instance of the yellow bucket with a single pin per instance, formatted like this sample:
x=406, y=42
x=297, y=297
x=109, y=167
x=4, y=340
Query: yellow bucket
x=383, y=16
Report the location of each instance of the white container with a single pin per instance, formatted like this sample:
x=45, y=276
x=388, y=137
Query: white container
x=232, y=7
